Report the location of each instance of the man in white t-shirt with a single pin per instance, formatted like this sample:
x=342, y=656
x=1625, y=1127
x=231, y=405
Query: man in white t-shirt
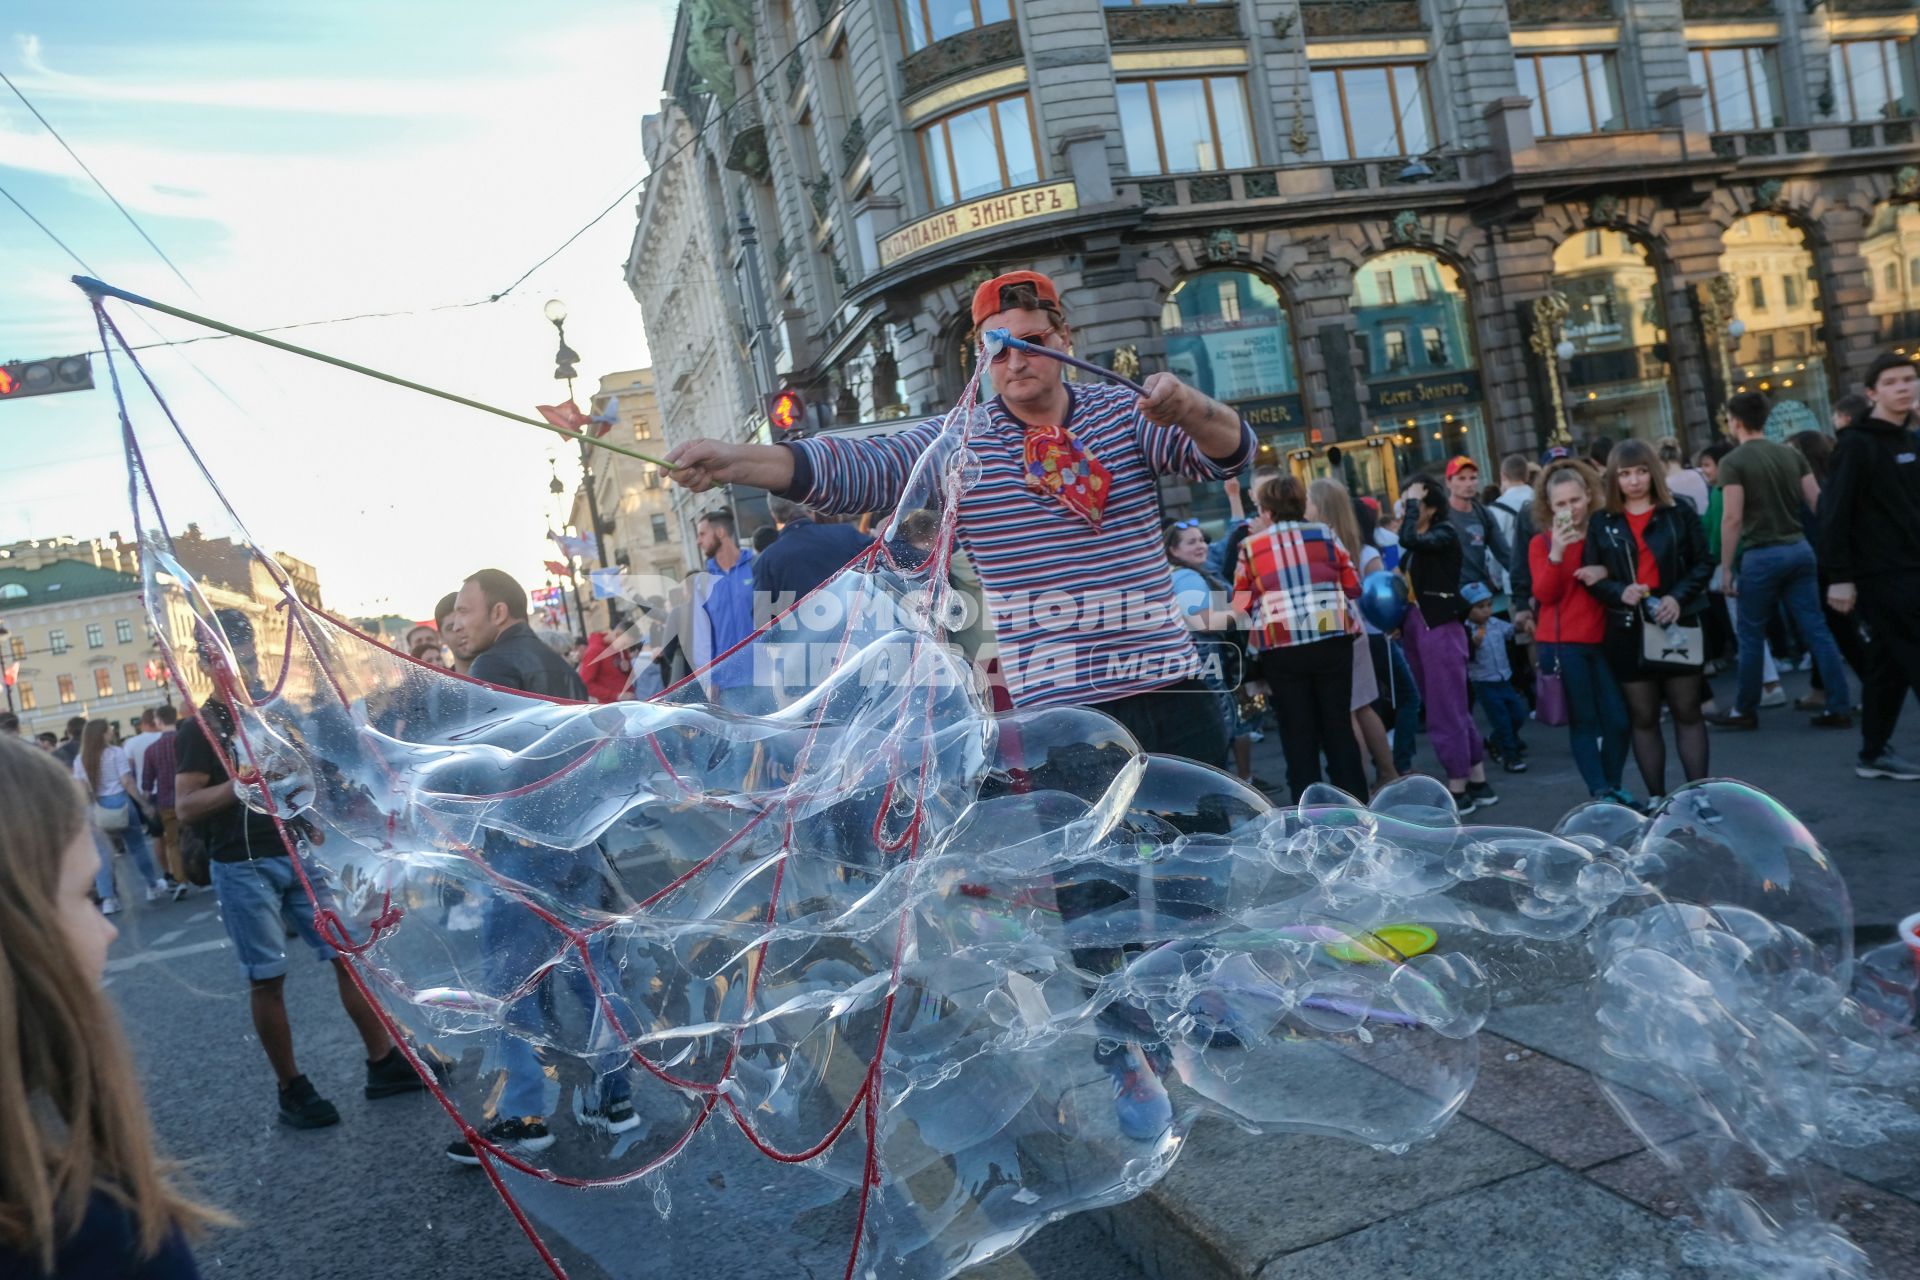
x=136, y=746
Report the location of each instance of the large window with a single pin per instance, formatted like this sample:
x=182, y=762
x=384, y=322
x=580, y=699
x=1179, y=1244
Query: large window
x=1618, y=382
x=1372, y=112
x=1572, y=92
x=131, y=674
x=28, y=699
x=1185, y=126
x=123, y=631
x=979, y=151
x=1873, y=79
x=57, y=640
x=103, y=682
x=66, y=690
x=926, y=21
x=1892, y=250
x=1780, y=351
x=96, y=635
x=1412, y=324
x=1227, y=334
x=1742, y=86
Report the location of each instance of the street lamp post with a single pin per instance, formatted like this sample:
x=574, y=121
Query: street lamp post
x=1717, y=306
x=1549, y=342
x=564, y=361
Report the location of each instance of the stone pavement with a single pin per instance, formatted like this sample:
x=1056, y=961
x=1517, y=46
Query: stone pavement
x=1538, y=1178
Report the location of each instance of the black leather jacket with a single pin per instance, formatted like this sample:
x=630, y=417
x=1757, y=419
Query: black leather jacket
x=1433, y=567
x=518, y=659
x=1679, y=544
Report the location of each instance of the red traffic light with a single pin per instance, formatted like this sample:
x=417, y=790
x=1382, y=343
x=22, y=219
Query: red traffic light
x=21, y=378
x=787, y=410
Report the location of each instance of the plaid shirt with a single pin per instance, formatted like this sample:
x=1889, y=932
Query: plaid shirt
x=1296, y=579
x=156, y=771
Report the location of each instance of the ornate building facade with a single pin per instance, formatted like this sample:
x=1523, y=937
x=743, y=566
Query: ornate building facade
x=1389, y=232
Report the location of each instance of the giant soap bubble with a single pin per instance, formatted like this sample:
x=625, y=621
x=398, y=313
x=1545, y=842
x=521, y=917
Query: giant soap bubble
x=876, y=982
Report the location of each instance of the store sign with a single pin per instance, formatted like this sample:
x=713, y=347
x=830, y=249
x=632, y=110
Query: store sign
x=978, y=215
x=1423, y=393
x=1274, y=413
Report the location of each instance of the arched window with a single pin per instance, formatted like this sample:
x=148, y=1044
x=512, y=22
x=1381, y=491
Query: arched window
x=1227, y=334
x=1414, y=324
x=1617, y=382
x=1892, y=251
x=1775, y=346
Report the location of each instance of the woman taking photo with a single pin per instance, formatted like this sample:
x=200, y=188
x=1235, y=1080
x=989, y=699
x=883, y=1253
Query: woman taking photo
x=1571, y=627
x=119, y=813
x=1329, y=504
x=1656, y=565
x=1298, y=584
x=1436, y=640
x=82, y=1194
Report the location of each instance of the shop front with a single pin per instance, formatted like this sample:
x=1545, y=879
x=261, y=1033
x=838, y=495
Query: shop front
x=1619, y=383
x=1413, y=322
x=1227, y=334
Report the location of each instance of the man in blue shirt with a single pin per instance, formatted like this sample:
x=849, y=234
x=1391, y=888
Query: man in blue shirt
x=793, y=566
x=724, y=617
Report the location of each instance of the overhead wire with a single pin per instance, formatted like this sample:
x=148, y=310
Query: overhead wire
x=46, y=230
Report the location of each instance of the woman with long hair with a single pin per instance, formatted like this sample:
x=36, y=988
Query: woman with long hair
x=1682, y=482
x=81, y=1191
x=119, y=812
x=1329, y=503
x=1436, y=640
x=1656, y=571
x=1571, y=626
x=1197, y=591
x=1299, y=584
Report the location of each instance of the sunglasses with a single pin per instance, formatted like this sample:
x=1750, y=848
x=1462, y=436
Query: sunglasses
x=1032, y=339
x=1186, y=524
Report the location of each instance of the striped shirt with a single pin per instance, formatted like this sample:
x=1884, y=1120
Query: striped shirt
x=1081, y=616
x=1297, y=580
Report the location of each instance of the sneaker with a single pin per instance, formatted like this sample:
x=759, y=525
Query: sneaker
x=523, y=1137
x=1514, y=764
x=1735, y=720
x=1482, y=795
x=392, y=1075
x=1832, y=720
x=1619, y=795
x=1491, y=751
x=180, y=890
x=109, y=906
x=1805, y=664
x=1815, y=701
x=157, y=890
x=615, y=1117
x=302, y=1107
x=1140, y=1102
x=1773, y=696
x=1463, y=802
x=1888, y=765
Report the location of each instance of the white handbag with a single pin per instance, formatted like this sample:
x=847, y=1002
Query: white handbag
x=107, y=818
x=1675, y=645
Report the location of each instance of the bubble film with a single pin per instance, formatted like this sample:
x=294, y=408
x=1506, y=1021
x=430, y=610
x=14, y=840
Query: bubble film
x=889, y=982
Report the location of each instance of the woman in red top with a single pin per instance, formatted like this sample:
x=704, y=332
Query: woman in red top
x=1570, y=625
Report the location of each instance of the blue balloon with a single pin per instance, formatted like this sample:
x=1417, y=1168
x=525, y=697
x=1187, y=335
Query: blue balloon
x=1384, y=600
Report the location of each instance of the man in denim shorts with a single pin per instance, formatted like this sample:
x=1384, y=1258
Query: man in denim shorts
x=262, y=901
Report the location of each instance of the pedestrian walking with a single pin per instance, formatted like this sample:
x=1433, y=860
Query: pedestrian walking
x=262, y=902
x=1766, y=491
x=1328, y=503
x=1436, y=639
x=723, y=616
x=1684, y=483
x=1870, y=549
x=1656, y=570
x=70, y=742
x=1202, y=597
x=1570, y=628
x=119, y=814
x=83, y=1192
x=157, y=781
x=1067, y=483
x=1298, y=584
x=136, y=746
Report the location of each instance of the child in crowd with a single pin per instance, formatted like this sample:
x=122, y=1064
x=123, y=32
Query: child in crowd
x=1490, y=672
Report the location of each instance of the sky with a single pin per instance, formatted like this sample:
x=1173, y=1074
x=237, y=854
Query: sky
x=313, y=159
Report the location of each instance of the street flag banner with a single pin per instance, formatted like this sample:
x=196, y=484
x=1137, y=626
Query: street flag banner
x=13, y=673
x=606, y=584
x=608, y=418
x=557, y=569
x=565, y=416
x=571, y=546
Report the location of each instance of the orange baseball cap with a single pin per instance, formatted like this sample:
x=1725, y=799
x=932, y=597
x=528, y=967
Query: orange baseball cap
x=1460, y=463
x=986, y=299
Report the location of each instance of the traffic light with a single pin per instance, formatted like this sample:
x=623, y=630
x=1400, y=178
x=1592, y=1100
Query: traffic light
x=22, y=378
x=787, y=410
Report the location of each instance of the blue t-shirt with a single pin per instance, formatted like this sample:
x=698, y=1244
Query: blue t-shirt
x=105, y=1248
x=1190, y=591
x=726, y=613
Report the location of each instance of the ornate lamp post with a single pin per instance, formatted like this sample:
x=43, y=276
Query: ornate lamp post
x=1725, y=329
x=1549, y=342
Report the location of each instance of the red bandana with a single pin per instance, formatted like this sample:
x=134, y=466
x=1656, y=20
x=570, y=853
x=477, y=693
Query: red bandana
x=1057, y=465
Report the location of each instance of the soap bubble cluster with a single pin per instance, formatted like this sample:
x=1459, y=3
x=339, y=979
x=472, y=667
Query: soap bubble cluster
x=878, y=982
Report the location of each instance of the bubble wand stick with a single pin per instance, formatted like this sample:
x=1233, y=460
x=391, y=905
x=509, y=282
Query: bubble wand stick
x=997, y=340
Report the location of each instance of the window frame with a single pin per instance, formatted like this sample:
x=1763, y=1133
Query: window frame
x=1896, y=60
x=67, y=694
x=1609, y=71
x=122, y=631
x=130, y=675
x=1205, y=79
x=29, y=700
x=103, y=682
x=925, y=133
x=96, y=636
x=1420, y=71
x=1769, y=60
x=902, y=7
x=57, y=641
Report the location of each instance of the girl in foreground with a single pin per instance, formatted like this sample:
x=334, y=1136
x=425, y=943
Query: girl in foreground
x=82, y=1194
